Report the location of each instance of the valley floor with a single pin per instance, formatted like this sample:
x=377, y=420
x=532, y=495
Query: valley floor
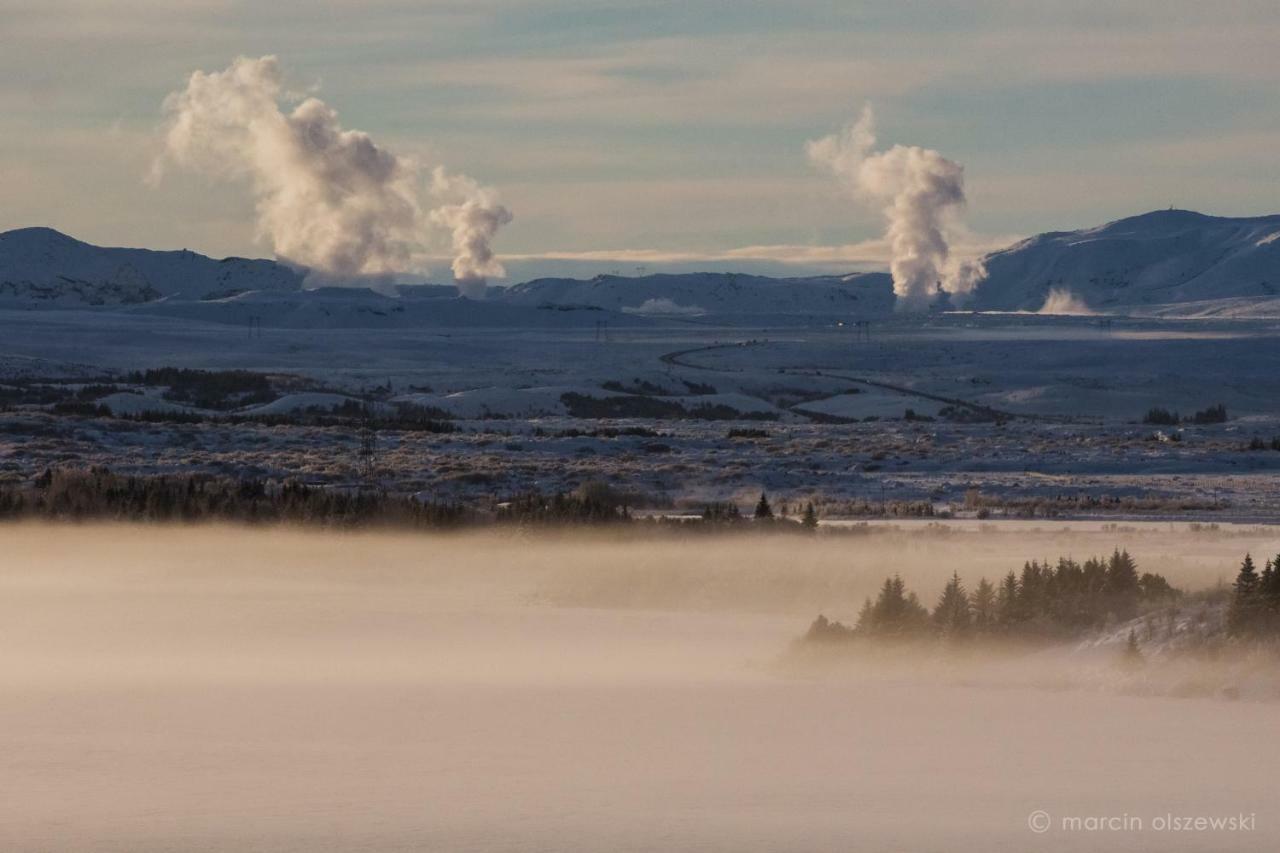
x=1016, y=414
x=846, y=469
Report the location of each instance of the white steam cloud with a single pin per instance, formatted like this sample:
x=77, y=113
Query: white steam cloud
x=473, y=215
x=327, y=198
x=922, y=195
x=1062, y=301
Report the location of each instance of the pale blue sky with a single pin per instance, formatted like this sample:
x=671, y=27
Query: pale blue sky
x=665, y=129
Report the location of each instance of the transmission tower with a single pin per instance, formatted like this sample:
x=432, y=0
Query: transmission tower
x=367, y=450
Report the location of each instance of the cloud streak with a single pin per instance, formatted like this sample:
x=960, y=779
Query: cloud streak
x=873, y=254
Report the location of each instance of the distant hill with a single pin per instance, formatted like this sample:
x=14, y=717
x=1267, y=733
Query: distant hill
x=44, y=266
x=1169, y=262
x=1162, y=258
x=715, y=294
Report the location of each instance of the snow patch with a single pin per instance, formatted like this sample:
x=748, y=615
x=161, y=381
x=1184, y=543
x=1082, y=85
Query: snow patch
x=291, y=403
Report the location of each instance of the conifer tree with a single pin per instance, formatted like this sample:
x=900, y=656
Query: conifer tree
x=895, y=613
x=810, y=519
x=1132, y=651
x=1242, y=616
x=866, y=616
x=1122, y=585
x=983, y=606
x=1269, y=596
x=763, y=510
x=1030, y=599
x=1007, y=600
x=951, y=617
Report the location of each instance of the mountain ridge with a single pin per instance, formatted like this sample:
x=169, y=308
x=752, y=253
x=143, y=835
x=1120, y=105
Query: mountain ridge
x=44, y=266
x=1157, y=258
x=1152, y=261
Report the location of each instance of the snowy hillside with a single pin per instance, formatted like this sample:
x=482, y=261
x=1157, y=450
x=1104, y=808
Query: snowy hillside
x=1166, y=263
x=40, y=267
x=697, y=294
x=1159, y=258
x=44, y=267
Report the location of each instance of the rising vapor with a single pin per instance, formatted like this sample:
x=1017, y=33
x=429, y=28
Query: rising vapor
x=473, y=216
x=1060, y=300
x=922, y=195
x=327, y=198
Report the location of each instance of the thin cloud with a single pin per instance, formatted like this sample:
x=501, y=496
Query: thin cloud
x=870, y=254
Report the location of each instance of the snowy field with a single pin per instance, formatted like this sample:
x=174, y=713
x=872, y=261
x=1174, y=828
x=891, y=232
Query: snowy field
x=1022, y=406
x=216, y=689
x=1025, y=365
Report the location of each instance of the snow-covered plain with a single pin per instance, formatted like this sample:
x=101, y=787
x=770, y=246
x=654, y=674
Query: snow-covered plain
x=225, y=689
x=1069, y=393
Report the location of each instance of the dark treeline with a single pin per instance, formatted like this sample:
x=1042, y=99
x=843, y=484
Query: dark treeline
x=563, y=509
x=1160, y=416
x=99, y=494
x=1255, y=600
x=398, y=417
x=208, y=389
x=1044, y=601
x=656, y=408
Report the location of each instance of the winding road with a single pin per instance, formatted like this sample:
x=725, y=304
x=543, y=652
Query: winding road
x=678, y=358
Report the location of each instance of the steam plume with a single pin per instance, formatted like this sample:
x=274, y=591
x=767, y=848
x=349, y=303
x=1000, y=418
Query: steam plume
x=473, y=215
x=921, y=193
x=327, y=197
x=1062, y=301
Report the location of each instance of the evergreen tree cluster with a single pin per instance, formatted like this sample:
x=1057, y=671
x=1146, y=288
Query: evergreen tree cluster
x=563, y=509
x=1255, y=600
x=1160, y=416
x=1044, y=600
x=209, y=389
x=720, y=512
x=99, y=494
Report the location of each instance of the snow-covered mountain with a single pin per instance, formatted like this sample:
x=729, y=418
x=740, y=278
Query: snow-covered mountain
x=44, y=266
x=1173, y=262
x=718, y=294
x=1160, y=258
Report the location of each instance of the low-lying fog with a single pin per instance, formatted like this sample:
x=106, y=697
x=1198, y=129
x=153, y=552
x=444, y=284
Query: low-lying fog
x=231, y=689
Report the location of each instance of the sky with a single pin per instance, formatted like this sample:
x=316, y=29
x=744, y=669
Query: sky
x=663, y=134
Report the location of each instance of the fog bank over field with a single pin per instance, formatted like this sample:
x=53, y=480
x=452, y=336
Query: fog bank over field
x=222, y=688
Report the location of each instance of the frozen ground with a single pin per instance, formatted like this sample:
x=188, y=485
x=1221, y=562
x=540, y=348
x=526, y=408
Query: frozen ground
x=209, y=689
x=1085, y=470
x=1066, y=396
x=1057, y=367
